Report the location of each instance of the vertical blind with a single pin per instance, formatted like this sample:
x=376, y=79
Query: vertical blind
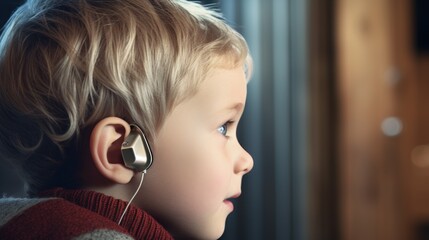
x=274, y=128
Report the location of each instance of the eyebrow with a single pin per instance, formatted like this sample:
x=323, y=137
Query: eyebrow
x=237, y=106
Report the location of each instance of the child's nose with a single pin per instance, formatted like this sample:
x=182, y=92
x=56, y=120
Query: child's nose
x=245, y=162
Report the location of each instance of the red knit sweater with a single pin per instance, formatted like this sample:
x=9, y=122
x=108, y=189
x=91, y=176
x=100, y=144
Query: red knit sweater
x=65, y=214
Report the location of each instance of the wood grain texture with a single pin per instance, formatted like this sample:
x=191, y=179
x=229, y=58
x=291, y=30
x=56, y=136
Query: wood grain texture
x=368, y=163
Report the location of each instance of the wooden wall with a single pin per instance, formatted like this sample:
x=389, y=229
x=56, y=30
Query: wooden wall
x=383, y=130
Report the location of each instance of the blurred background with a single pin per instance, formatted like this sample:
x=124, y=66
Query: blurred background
x=336, y=119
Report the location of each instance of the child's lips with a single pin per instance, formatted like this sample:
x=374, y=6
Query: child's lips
x=229, y=204
x=236, y=195
x=229, y=200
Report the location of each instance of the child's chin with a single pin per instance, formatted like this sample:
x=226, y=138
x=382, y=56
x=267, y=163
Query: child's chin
x=212, y=229
x=215, y=232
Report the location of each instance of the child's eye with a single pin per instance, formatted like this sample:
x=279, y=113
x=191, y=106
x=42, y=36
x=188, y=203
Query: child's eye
x=224, y=128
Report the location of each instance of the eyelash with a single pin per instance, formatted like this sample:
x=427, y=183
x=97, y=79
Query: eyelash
x=225, y=127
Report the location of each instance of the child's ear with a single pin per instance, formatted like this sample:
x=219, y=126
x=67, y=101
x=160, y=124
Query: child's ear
x=105, y=146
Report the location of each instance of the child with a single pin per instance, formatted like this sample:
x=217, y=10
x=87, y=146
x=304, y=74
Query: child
x=94, y=94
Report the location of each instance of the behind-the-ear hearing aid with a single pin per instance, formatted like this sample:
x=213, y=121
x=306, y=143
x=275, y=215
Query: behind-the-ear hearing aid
x=137, y=155
x=136, y=151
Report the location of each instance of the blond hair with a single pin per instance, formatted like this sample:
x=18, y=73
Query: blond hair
x=65, y=65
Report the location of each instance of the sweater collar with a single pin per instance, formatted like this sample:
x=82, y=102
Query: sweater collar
x=137, y=222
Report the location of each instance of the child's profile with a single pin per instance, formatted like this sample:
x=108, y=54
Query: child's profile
x=100, y=99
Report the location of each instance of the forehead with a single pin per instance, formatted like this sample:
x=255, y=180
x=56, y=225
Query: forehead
x=223, y=90
x=223, y=87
